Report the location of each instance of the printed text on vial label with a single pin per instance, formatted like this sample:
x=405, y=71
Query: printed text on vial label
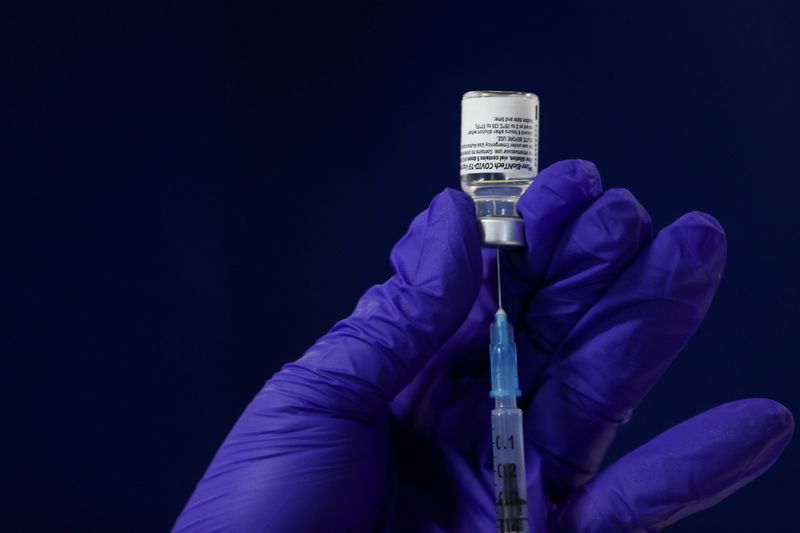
x=506, y=143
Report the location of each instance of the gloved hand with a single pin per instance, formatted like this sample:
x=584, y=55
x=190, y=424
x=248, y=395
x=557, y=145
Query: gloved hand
x=384, y=423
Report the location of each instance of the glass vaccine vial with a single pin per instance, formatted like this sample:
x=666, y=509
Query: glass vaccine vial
x=499, y=159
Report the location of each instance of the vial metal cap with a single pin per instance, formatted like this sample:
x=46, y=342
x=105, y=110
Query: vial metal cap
x=502, y=231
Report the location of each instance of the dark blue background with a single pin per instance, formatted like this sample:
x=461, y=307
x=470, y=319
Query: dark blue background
x=199, y=192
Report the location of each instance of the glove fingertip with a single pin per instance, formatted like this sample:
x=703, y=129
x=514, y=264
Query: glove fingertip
x=579, y=171
x=569, y=181
x=442, y=249
x=777, y=421
x=621, y=212
x=706, y=227
x=460, y=199
x=458, y=210
x=699, y=244
x=624, y=200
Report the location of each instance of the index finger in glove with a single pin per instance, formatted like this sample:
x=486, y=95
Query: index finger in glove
x=366, y=359
x=622, y=345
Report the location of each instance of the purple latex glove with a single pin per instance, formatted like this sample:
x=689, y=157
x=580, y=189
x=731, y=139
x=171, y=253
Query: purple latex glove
x=384, y=423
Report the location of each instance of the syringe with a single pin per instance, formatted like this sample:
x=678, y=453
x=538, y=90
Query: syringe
x=508, y=445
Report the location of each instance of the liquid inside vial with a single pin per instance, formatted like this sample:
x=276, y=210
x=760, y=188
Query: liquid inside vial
x=495, y=194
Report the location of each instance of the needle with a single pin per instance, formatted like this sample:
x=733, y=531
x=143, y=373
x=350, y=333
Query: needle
x=499, y=292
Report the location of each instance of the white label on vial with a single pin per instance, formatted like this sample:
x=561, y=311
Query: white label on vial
x=500, y=134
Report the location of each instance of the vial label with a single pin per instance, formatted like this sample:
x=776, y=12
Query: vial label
x=500, y=134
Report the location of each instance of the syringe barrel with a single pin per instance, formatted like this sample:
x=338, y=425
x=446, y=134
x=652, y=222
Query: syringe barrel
x=508, y=451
